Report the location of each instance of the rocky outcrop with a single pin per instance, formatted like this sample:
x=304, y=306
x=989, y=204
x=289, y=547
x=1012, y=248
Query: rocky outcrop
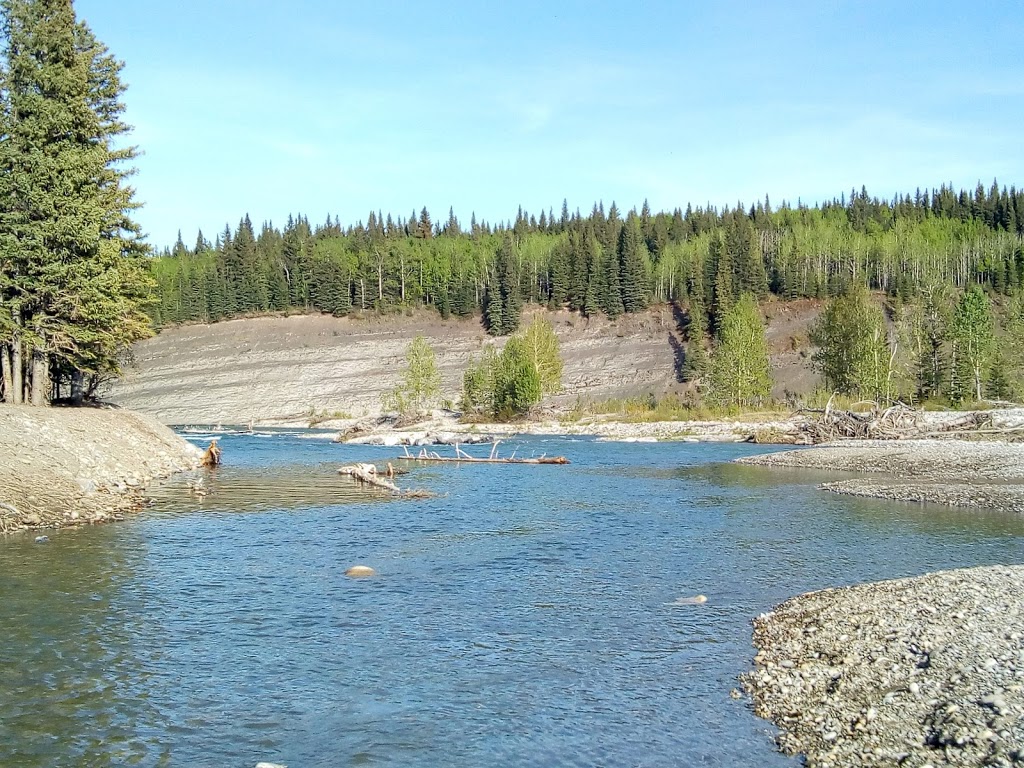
x=67, y=466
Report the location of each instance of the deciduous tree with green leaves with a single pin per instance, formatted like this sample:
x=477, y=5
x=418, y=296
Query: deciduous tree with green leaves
x=421, y=384
x=541, y=345
x=740, y=373
x=509, y=384
x=853, y=350
x=973, y=335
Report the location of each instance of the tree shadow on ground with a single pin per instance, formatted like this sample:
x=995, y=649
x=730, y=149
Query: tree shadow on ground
x=676, y=337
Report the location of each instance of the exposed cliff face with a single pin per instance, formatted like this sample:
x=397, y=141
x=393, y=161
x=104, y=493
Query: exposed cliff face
x=281, y=369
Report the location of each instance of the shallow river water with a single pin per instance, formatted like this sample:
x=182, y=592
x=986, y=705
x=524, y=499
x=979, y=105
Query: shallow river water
x=524, y=617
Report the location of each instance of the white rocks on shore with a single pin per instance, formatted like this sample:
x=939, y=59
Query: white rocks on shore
x=68, y=466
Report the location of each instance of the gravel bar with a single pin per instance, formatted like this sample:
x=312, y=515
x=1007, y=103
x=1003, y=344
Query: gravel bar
x=926, y=671
x=954, y=472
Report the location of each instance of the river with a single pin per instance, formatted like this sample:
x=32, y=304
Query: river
x=525, y=616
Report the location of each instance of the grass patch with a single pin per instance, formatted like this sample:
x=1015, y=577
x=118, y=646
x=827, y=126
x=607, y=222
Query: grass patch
x=670, y=408
x=315, y=417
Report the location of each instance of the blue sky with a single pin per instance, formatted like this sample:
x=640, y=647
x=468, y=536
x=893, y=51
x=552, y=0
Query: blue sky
x=320, y=107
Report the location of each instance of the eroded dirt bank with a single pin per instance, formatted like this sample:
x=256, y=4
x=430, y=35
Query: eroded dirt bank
x=926, y=671
x=274, y=370
x=67, y=466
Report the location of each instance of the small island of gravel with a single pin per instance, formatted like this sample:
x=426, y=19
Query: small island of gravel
x=954, y=472
x=67, y=466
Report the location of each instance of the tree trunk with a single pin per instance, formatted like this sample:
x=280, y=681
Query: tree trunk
x=77, y=387
x=5, y=363
x=40, y=377
x=17, y=366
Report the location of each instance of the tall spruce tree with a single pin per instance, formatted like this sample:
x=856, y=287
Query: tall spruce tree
x=75, y=289
x=632, y=266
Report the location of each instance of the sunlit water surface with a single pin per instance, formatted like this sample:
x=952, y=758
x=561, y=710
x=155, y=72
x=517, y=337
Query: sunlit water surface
x=523, y=617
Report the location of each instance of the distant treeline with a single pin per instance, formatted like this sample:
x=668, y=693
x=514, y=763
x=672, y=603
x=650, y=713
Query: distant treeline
x=606, y=261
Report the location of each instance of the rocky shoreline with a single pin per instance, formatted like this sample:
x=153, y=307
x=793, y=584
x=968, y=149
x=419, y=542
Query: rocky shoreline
x=926, y=671
x=71, y=466
x=954, y=472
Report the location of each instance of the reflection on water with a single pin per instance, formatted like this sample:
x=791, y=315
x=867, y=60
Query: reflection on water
x=525, y=617
x=252, y=489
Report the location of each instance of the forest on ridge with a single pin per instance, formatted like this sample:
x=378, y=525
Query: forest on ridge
x=921, y=252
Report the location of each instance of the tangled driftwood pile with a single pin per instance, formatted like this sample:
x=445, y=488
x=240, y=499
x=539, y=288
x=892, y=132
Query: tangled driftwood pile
x=899, y=422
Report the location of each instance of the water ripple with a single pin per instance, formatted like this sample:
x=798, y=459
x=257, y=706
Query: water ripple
x=524, y=618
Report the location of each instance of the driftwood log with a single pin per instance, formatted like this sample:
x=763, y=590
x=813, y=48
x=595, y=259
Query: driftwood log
x=368, y=474
x=462, y=457
x=896, y=422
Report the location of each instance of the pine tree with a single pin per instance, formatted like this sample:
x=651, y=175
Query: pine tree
x=494, y=309
x=611, y=288
x=724, y=285
x=75, y=287
x=632, y=266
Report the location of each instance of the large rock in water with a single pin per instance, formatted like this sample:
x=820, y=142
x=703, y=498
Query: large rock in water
x=62, y=466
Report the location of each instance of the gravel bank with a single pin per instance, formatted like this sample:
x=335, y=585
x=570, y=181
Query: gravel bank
x=912, y=672
x=954, y=472
x=68, y=466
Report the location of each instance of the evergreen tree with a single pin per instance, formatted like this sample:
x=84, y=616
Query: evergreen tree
x=610, y=286
x=720, y=260
x=632, y=266
x=517, y=382
x=494, y=309
x=74, y=288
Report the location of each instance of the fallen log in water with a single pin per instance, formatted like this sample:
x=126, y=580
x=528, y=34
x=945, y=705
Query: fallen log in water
x=367, y=473
x=464, y=458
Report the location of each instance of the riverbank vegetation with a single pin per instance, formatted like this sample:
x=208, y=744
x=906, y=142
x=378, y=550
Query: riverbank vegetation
x=73, y=284
x=507, y=384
